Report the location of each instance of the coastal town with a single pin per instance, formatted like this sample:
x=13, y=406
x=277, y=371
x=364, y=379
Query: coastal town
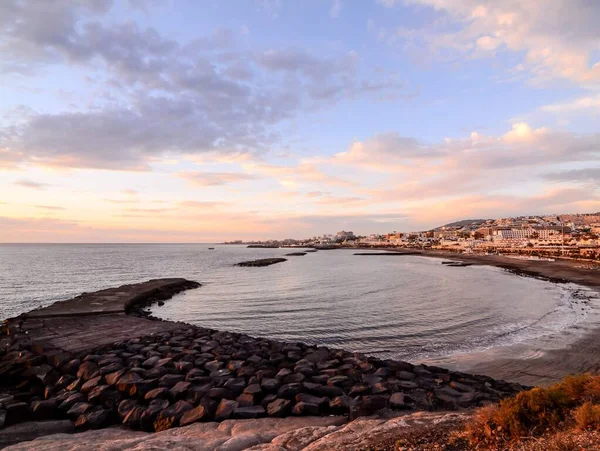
x=575, y=236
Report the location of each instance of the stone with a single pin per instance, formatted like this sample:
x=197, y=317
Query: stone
x=196, y=414
x=110, y=368
x=71, y=400
x=78, y=409
x=225, y=409
x=133, y=418
x=16, y=412
x=379, y=389
x=88, y=370
x=372, y=403
x=95, y=419
x=170, y=416
x=254, y=390
x=71, y=367
x=169, y=380
x=150, y=414
x=310, y=399
x=328, y=391
x=161, y=392
x=304, y=408
x=149, y=363
x=236, y=385
x=76, y=385
x=270, y=385
x=219, y=392
x=407, y=385
x=342, y=404
x=249, y=412
x=283, y=373
x=99, y=394
x=289, y=391
x=279, y=408
x=44, y=410
x=405, y=375
x=113, y=378
x=180, y=390
x=90, y=384
x=125, y=406
x=448, y=392
x=398, y=401
x=359, y=390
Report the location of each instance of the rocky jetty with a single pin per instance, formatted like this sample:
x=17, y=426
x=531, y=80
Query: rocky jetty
x=177, y=378
x=176, y=374
x=295, y=254
x=262, y=262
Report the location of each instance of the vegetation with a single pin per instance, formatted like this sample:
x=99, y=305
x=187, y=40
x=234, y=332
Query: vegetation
x=570, y=405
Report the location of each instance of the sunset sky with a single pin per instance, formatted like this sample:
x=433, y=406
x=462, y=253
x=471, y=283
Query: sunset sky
x=200, y=121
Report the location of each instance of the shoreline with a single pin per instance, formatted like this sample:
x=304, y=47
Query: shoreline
x=533, y=366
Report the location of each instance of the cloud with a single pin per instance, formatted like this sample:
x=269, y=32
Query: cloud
x=583, y=104
x=162, y=97
x=49, y=207
x=215, y=178
x=31, y=184
x=557, y=38
x=585, y=175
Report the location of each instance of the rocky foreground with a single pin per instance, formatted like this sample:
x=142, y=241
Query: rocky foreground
x=182, y=375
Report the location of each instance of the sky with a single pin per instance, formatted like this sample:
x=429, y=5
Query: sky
x=203, y=121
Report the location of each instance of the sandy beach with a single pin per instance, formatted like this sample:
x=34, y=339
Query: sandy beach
x=525, y=363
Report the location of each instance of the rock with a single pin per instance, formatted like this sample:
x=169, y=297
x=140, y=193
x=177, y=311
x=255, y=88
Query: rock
x=461, y=387
x=161, y=392
x=289, y=391
x=71, y=367
x=76, y=385
x=95, y=419
x=218, y=392
x=448, y=392
x=279, y=408
x=304, y=408
x=248, y=412
x=180, y=390
x=359, y=390
x=398, y=401
x=113, y=378
x=71, y=400
x=151, y=413
x=372, y=403
x=110, y=368
x=342, y=404
x=407, y=385
x=405, y=376
x=170, y=416
x=379, y=389
x=283, y=373
x=225, y=409
x=236, y=385
x=133, y=418
x=191, y=416
x=88, y=370
x=169, y=380
x=44, y=410
x=16, y=412
x=79, y=409
x=328, y=391
x=270, y=385
x=310, y=399
x=90, y=384
x=125, y=406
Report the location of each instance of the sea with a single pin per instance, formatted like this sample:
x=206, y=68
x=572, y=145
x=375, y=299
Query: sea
x=406, y=307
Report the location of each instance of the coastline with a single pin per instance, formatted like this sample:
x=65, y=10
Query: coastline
x=521, y=362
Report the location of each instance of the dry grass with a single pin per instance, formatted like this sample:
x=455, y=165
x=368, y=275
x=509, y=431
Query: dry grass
x=571, y=404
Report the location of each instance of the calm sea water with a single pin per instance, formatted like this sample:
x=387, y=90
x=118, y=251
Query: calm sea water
x=405, y=307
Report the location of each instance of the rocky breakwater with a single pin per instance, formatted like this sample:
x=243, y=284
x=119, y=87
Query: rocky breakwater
x=180, y=374
x=262, y=262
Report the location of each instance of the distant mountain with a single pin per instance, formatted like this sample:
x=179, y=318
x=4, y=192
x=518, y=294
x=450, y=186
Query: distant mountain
x=463, y=223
